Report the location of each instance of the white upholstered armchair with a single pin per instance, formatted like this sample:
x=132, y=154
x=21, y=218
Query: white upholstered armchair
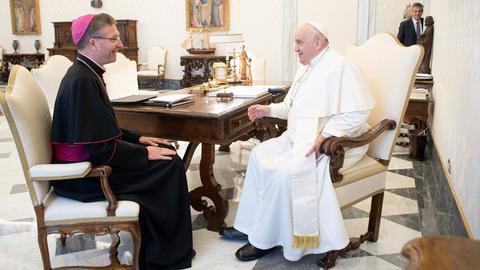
x=49, y=76
x=27, y=113
x=155, y=66
x=121, y=77
x=389, y=69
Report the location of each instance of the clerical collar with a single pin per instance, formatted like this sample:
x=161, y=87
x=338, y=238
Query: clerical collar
x=317, y=58
x=99, y=70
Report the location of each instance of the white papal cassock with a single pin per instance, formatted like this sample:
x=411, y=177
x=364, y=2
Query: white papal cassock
x=330, y=93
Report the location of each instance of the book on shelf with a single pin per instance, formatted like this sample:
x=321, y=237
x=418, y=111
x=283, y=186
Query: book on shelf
x=423, y=76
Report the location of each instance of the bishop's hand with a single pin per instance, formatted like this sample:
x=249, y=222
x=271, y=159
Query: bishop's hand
x=152, y=141
x=156, y=153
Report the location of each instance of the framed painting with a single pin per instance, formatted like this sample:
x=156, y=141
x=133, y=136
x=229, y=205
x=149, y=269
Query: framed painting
x=25, y=16
x=208, y=15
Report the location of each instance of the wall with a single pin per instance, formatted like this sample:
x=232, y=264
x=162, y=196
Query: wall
x=456, y=70
x=161, y=23
x=339, y=17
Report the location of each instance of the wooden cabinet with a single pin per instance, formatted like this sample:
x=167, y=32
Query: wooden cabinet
x=63, y=44
x=198, y=68
x=28, y=60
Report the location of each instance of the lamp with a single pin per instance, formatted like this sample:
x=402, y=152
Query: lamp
x=229, y=40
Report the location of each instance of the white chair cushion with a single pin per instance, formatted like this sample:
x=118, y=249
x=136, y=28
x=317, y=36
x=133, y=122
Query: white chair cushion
x=61, y=209
x=121, y=77
x=147, y=73
x=364, y=179
x=60, y=171
x=49, y=76
x=156, y=56
x=389, y=69
x=363, y=168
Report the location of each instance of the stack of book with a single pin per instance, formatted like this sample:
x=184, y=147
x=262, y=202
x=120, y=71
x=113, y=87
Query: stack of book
x=424, y=76
x=419, y=94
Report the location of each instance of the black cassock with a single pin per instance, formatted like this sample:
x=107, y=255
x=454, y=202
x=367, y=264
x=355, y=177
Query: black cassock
x=84, y=118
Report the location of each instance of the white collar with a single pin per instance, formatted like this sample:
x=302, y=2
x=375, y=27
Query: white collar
x=317, y=58
x=415, y=21
x=93, y=61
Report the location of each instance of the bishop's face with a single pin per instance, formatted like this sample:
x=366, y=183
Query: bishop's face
x=107, y=44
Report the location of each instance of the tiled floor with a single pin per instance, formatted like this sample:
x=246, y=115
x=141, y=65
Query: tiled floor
x=413, y=206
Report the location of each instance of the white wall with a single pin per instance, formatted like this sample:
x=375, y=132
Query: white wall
x=339, y=17
x=161, y=23
x=456, y=70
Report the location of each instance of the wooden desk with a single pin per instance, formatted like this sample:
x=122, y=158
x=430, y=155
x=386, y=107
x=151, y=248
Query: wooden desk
x=207, y=121
x=418, y=110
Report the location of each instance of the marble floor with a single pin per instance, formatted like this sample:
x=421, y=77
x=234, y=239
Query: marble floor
x=417, y=202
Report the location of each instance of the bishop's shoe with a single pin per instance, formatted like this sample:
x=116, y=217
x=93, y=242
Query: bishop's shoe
x=249, y=253
x=232, y=233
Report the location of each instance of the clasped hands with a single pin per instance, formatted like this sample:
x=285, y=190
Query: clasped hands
x=154, y=151
x=259, y=111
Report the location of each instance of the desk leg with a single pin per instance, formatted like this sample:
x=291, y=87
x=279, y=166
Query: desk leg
x=214, y=214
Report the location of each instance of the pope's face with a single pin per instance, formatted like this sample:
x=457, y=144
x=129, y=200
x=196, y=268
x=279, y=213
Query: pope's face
x=416, y=13
x=307, y=44
x=107, y=44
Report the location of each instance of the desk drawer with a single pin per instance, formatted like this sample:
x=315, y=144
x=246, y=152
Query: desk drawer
x=238, y=122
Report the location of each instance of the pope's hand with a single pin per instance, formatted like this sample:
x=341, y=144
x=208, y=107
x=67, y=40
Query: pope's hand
x=155, y=153
x=258, y=111
x=315, y=147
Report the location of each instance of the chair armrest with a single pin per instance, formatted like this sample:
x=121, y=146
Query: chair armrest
x=269, y=127
x=140, y=65
x=334, y=147
x=103, y=172
x=46, y=172
x=78, y=170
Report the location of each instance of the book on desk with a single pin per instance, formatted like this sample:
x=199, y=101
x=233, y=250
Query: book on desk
x=171, y=100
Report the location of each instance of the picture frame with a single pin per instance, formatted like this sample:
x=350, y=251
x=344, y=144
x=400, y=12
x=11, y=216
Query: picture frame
x=208, y=15
x=25, y=15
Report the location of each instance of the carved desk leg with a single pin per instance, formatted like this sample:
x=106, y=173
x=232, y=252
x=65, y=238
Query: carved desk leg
x=214, y=214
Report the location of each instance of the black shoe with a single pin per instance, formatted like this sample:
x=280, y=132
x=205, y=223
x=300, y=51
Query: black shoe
x=193, y=253
x=232, y=233
x=250, y=253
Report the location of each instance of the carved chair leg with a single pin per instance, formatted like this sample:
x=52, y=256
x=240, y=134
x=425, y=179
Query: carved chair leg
x=328, y=261
x=43, y=244
x=375, y=217
x=113, y=248
x=63, y=239
x=136, y=236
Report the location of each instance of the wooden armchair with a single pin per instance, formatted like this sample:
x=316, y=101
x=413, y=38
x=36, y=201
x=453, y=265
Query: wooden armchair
x=389, y=69
x=27, y=113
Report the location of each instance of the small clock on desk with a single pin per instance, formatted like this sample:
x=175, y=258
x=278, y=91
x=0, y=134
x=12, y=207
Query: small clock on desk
x=220, y=72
